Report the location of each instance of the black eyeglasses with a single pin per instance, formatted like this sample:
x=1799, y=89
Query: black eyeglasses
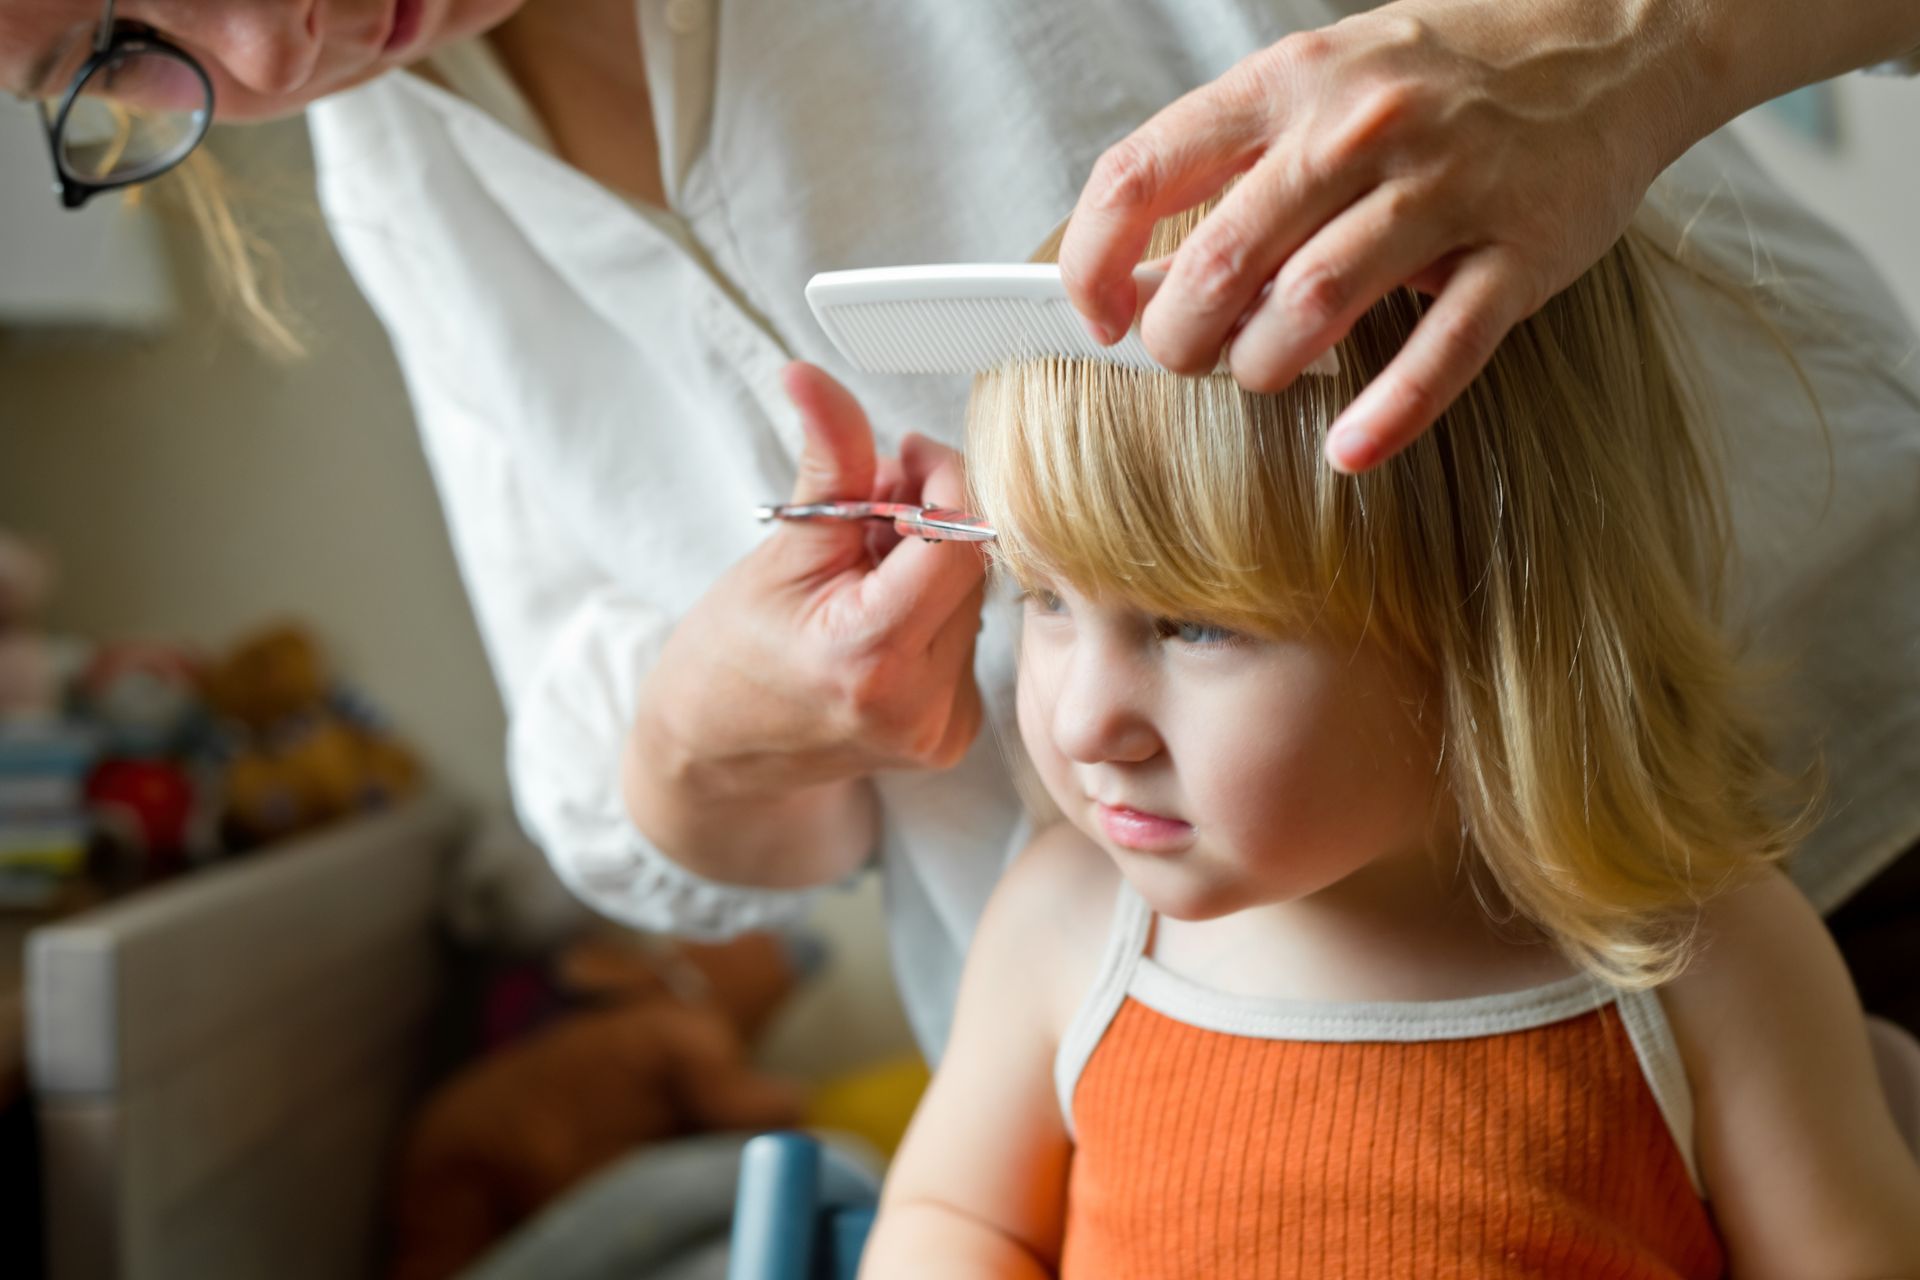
x=135, y=109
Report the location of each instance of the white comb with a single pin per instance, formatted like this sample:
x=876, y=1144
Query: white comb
x=971, y=317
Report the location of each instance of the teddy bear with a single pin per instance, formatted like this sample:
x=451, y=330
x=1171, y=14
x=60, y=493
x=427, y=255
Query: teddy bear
x=304, y=751
x=655, y=1049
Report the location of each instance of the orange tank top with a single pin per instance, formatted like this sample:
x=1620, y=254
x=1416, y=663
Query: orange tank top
x=1540, y=1133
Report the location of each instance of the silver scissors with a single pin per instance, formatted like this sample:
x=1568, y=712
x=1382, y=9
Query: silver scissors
x=910, y=519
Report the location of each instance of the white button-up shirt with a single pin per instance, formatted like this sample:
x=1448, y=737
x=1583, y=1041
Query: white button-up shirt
x=595, y=383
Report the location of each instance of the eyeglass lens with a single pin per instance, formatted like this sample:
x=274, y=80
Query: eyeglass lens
x=141, y=109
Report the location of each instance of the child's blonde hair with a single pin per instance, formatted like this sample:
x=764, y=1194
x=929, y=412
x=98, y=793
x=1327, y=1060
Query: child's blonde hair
x=1550, y=554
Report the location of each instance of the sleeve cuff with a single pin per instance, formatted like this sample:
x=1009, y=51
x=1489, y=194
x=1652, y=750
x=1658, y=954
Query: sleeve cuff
x=563, y=756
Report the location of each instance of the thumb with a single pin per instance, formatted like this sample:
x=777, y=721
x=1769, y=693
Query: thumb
x=837, y=460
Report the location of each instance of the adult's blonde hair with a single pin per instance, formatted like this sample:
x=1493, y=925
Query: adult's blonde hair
x=1550, y=555
x=242, y=268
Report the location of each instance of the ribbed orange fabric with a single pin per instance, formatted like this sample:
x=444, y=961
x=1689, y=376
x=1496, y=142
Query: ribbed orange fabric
x=1537, y=1153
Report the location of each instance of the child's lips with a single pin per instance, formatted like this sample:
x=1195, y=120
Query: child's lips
x=1141, y=831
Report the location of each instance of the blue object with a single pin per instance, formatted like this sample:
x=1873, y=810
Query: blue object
x=802, y=1211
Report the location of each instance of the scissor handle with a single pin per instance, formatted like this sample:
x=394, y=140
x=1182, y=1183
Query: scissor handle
x=833, y=510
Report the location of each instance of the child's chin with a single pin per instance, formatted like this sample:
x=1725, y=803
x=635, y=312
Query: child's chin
x=1183, y=897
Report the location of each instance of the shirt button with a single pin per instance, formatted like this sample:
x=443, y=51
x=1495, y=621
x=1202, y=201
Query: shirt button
x=684, y=17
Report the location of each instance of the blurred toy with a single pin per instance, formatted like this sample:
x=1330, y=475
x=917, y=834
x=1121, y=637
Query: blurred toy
x=26, y=576
x=304, y=751
x=150, y=809
x=143, y=697
x=659, y=1051
x=32, y=667
x=874, y=1104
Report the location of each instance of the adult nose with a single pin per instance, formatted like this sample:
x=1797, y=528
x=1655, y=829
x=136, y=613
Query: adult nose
x=269, y=47
x=1100, y=710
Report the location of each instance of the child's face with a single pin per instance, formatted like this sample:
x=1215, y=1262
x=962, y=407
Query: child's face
x=1222, y=771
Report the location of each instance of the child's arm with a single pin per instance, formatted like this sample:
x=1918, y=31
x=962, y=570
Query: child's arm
x=979, y=1186
x=1806, y=1175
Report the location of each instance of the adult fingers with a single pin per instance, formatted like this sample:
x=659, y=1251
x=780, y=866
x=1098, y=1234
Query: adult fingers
x=920, y=458
x=836, y=461
x=920, y=585
x=1230, y=257
x=888, y=484
x=950, y=659
x=1329, y=282
x=1487, y=294
x=1182, y=155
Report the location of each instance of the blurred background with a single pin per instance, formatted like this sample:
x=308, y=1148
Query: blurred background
x=280, y=979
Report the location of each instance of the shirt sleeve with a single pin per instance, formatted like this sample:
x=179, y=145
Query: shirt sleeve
x=569, y=648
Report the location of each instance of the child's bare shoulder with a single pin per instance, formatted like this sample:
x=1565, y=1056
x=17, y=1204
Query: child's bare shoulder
x=1054, y=906
x=1799, y=1154
x=1758, y=944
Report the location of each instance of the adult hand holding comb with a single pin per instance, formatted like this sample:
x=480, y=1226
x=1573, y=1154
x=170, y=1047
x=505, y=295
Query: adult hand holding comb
x=832, y=650
x=1485, y=154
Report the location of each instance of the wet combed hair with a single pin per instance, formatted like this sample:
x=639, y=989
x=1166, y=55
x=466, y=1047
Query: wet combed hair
x=1550, y=555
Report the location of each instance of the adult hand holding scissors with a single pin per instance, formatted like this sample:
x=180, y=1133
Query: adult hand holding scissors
x=831, y=651
x=1485, y=154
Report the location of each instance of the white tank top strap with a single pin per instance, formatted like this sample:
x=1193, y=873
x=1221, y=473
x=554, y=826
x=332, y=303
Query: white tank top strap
x=1126, y=943
x=1666, y=1073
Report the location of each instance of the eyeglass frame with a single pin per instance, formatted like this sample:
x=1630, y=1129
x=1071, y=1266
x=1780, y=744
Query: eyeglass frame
x=110, y=40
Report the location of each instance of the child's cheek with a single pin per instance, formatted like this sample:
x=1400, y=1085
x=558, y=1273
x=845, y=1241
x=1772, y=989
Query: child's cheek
x=1034, y=713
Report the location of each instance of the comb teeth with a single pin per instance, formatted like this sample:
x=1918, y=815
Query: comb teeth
x=970, y=318
x=964, y=335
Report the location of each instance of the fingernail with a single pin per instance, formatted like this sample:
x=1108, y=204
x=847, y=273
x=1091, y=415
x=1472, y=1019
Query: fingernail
x=1352, y=450
x=1098, y=330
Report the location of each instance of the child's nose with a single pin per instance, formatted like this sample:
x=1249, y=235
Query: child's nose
x=1099, y=715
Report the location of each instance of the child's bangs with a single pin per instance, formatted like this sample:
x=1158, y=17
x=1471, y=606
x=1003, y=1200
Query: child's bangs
x=1185, y=497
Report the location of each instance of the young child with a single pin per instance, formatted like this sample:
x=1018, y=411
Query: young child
x=1415, y=909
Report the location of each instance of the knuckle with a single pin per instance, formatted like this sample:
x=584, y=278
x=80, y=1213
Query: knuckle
x=1466, y=336
x=1298, y=52
x=932, y=745
x=1530, y=290
x=1126, y=175
x=1411, y=200
x=1245, y=89
x=1318, y=295
x=1216, y=267
x=1390, y=102
x=1400, y=30
x=867, y=688
x=1418, y=395
x=1381, y=113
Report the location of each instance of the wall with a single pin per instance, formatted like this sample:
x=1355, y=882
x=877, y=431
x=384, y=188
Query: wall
x=194, y=489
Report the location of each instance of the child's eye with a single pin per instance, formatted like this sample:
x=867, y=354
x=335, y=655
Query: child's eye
x=1196, y=633
x=1041, y=600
